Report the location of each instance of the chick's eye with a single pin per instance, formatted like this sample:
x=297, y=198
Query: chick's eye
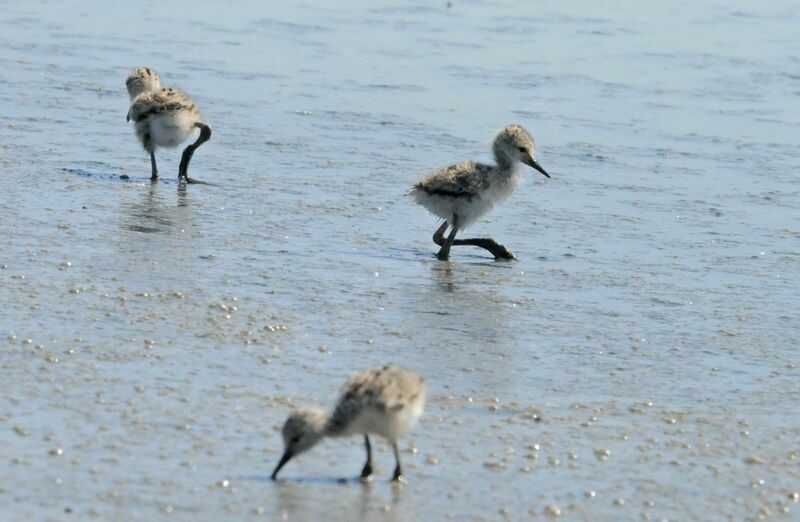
x=294, y=440
x=523, y=149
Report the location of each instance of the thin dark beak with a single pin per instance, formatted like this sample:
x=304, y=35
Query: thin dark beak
x=286, y=457
x=535, y=164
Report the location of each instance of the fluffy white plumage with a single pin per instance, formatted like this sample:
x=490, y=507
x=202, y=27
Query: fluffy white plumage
x=462, y=193
x=445, y=197
x=385, y=401
x=163, y=117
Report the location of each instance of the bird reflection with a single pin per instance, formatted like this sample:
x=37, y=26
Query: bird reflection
x=149, y=215
x=183, y=198
x=371, y=502
x=442, y=274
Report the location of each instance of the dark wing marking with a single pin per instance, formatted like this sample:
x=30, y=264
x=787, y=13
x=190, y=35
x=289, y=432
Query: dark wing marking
x=158, y=102
x=467, y=179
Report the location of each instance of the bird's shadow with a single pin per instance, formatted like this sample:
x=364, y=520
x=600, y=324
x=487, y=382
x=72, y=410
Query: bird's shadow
x=127, y=178
x=323, y=481
x=426, y=256
x=105, y=176
x=471, y=259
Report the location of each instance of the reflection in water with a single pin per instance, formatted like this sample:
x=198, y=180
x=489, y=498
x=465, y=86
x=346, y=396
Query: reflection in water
x=358, y=502
x=182, y=195
x=157, y=227
x=155, y=213
x=442, y=273
x=461, y=298
x=372, y=508
x=149, y=215
x=466, y=314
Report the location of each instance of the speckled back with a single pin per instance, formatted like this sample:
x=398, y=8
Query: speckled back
x=384, y=389
x=464, y=178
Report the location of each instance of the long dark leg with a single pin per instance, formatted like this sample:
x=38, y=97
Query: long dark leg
x=438, y=236
x=398, y=469
x=497, y=250
x=444, y=252
x=153, y=168
x=205, y=135
x=149, y=147
x=367, y=471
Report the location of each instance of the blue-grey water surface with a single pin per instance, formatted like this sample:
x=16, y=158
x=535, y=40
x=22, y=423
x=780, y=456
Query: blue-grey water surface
x=639, y=360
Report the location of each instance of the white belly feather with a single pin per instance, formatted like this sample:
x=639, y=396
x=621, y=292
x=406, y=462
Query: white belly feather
x=171, y=128
x=468, y=209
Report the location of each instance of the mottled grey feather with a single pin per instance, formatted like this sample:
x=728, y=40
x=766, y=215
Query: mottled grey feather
x=156, y=102
x=465, y=179
x=384, y=389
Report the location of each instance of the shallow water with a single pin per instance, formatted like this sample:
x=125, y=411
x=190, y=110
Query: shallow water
x=638, y=361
